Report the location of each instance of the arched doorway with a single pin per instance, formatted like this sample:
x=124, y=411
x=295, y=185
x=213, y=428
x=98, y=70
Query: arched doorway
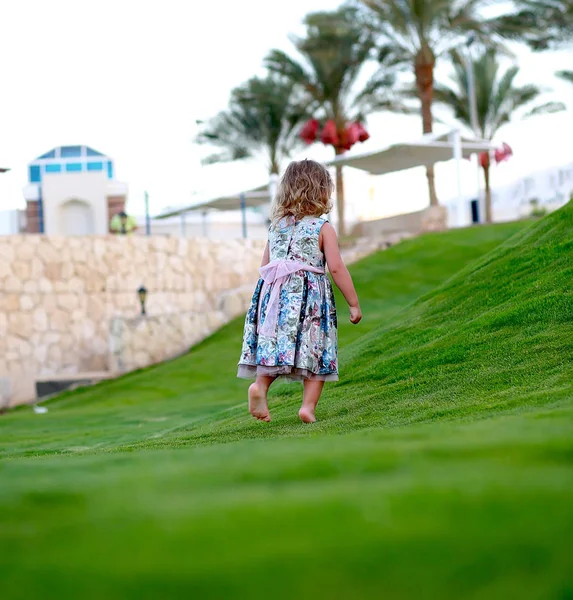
x=76, y=218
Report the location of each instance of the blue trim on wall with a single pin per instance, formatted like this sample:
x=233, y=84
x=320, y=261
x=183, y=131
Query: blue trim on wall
x=35, y=174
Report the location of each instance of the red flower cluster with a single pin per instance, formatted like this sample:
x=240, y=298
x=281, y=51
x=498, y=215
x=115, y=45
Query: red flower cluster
x=342, y=139
x=499, y=155
x=503, y=153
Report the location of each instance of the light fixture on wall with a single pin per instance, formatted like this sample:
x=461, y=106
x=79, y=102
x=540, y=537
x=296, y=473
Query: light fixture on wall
x=142, y=293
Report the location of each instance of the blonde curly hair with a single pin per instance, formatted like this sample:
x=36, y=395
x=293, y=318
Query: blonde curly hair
x=305, y=190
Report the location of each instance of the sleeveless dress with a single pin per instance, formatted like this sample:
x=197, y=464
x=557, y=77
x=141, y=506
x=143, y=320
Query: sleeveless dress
x=291, y=327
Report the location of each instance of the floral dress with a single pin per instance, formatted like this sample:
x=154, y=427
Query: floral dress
x=299, y=341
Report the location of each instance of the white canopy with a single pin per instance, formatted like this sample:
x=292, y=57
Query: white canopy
x=255, y=197
x=430, y=149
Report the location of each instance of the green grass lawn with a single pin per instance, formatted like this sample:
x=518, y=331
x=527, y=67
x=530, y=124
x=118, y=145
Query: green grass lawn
x=440, y=466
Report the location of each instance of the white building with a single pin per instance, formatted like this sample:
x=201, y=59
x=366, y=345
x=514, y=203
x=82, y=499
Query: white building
x=548, y=189
x=72, y=191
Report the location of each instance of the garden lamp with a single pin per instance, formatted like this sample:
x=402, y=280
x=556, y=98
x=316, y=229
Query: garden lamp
x=142, y=293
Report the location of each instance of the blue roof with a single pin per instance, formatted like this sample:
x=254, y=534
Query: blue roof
x=92, y=152
x=70, y=152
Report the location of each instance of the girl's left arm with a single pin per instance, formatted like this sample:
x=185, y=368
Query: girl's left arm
x=266, y=256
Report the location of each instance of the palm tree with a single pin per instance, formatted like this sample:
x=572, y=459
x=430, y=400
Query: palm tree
x=542, y=24
x=262, y=120
x=417, y=33
x=327, y=70
x=497, y=99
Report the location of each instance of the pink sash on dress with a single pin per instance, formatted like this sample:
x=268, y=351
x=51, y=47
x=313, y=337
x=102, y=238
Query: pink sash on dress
x=277, y=272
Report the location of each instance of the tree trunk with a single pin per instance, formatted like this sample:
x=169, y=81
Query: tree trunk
x=274, y=163
x=424, y=71
x=488, y=215
x=340, y=195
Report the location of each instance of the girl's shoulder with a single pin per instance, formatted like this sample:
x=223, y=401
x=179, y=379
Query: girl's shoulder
x=314, y=222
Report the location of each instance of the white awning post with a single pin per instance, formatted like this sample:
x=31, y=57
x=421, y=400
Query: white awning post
x=456, y=137
x=474, y=118
x=182, y=225
x=204, y=223
x=273, y=186
x=244, y=213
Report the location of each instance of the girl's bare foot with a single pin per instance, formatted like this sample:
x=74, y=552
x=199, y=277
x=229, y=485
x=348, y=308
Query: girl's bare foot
x=258, y=403
x=310, y=398
x=307, y=415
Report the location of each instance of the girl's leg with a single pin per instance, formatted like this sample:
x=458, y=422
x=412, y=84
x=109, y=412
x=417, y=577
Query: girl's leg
x=258, y=406
x=311, y=396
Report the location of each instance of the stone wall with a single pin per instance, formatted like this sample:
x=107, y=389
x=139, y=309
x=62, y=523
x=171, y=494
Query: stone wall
x=60, y=295
x=69, y=308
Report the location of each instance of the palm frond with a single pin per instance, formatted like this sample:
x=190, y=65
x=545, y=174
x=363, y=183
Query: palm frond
x=565, y=75
x=547, y=108
x=281, y=63
x=458, y=102
x=541, y=24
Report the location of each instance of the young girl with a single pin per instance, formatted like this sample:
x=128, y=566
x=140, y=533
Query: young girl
x=290, y=328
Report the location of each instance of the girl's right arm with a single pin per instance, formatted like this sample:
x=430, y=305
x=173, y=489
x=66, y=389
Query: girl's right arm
x=339, y=271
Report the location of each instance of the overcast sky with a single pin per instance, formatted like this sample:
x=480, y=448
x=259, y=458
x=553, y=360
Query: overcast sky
x=129, y=78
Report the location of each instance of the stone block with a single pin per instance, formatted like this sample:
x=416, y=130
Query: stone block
x=20, y=324
x=7, y=252
x=232, y=304
x=53, y=271
x=77, y=285
x=5, y=268
x=68, y=270
x=54, y=355
x=67, y=302
x=30, y=287
x=9, y=302
x=40, y=354
x=12, y=284
x=60, y=320
x=95, y=308
x=45, y=286
x=47, y=253
x=22, y=269
x=27, y=302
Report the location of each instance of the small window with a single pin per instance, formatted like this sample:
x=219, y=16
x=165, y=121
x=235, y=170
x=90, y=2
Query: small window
x=73, y=167
x=95, y=166
x=50, y=154
x=35, y=175
x=55, y=168
x=92, y=152
x=70, y=151
x=110, y=170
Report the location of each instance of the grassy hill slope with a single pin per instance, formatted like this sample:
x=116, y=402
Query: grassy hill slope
x=193, y=389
